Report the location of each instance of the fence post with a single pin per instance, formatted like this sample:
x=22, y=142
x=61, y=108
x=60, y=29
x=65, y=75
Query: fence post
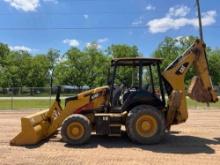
x=12, y=98
x=50, y=96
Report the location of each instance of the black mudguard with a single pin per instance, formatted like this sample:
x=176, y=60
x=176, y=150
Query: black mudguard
x=141, y=97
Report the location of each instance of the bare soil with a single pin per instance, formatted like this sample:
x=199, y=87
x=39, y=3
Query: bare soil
x=195, y=142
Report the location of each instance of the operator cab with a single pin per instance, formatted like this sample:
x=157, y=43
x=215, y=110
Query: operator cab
x=135, y=81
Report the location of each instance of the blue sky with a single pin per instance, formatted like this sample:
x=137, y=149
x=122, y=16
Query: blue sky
x=37, y=25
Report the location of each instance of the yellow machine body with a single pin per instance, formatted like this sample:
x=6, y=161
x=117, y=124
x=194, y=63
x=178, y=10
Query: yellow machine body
x=39, y=126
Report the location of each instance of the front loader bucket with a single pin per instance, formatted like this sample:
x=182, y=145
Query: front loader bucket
x=34, y=128
x=197, y=91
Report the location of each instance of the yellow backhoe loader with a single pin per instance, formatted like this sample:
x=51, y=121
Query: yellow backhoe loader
x=136, y=101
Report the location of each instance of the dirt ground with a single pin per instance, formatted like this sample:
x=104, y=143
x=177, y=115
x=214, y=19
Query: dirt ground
x=195, y=142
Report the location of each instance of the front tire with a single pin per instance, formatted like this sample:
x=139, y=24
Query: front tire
x=76, y=129
x=145, y=124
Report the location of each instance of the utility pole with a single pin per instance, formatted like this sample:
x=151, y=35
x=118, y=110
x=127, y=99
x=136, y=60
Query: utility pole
x=200, y=20
x=201, y=31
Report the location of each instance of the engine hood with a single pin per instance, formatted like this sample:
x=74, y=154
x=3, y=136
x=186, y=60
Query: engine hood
x=93, y=91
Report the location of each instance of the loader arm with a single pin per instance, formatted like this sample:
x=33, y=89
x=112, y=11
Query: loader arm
x=43, y=124
x=201, y=88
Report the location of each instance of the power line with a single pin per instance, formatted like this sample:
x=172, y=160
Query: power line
x=84, y=12
x=73, y=28
x=118, y=13
x=83, y=28
x=91, y=0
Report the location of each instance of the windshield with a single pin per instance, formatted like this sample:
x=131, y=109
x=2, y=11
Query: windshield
x=127, y=75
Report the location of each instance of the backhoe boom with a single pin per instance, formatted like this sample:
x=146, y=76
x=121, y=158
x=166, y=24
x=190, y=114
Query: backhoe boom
x=201, y=88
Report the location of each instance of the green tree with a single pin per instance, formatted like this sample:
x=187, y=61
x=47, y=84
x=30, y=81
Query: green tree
x=214, y=65
x=83, y=68
x=4, y=52
x=167, y=50
x=97, y=64
x=125, y=75
x=72, y=71
x=38, y=72
x=17, y=68
x=118, y=51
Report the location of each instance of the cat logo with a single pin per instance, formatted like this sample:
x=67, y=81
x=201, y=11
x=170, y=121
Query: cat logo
x=94, y=96
x=182, y=69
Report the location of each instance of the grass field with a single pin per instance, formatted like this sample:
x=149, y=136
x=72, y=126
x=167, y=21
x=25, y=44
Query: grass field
x=7, y=104
x=193, y=104
x=24, y=104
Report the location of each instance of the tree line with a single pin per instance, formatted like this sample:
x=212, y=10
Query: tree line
x=86, y=67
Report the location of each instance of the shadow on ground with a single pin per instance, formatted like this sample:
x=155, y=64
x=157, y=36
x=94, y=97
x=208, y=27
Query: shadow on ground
x=170, y=144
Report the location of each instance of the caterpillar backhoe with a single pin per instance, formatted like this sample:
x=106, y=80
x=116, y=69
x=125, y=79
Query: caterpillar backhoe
x=135, y=98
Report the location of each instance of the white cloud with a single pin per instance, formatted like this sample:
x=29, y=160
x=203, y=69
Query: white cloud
x=178, y=11
x=86, y=16
x=102, y=40
x=175, y=20
x=22, y=48
x=93, y=45
x=28, y=5
x=208, y=18
x=181, y=38
x=71, y=42
x=150, y=7
x=25, y=5
x=97, y=44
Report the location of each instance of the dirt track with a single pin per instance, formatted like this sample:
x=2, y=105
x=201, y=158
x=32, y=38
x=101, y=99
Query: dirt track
x=195, y=142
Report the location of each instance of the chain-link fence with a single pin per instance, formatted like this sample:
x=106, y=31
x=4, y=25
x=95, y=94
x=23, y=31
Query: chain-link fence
x=26, y=98
x=33, y=97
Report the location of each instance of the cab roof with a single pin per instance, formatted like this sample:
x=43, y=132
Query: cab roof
x=135, y=61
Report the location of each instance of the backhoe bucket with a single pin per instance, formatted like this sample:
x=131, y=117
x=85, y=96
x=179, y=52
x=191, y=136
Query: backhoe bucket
x=34, y=129
x=197, y=91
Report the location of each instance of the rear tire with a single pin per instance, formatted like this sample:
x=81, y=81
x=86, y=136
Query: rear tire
x=76, y=129
x=145, y=124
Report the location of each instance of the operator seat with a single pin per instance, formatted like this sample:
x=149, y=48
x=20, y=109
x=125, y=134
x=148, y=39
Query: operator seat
x=116, y=95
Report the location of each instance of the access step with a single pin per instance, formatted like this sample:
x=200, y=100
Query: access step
x=108, y=124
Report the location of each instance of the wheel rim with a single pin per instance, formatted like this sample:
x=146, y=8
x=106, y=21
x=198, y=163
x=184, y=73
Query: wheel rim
x=146, y=126
x=75, y=130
